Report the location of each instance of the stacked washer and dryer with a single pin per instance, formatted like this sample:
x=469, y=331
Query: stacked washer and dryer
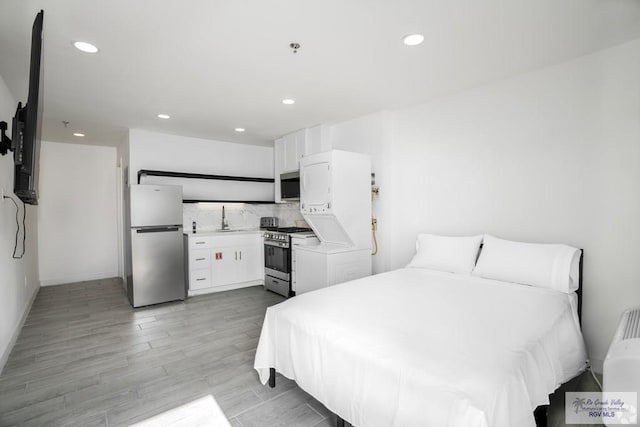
x=335, y=200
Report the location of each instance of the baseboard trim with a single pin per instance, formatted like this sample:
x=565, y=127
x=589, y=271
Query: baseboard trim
x=78, y=278
x=16, y=331
x=193, y=293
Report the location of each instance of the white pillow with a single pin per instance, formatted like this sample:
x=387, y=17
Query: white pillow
x=545, y=265
x=444, y=253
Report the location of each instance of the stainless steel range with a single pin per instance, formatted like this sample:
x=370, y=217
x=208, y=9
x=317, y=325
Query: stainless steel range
x=277, y=258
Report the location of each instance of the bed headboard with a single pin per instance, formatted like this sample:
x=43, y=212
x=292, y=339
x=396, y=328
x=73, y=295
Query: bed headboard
x=579, y=291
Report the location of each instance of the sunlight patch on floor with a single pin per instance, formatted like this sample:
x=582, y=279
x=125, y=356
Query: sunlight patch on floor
x=200, y=412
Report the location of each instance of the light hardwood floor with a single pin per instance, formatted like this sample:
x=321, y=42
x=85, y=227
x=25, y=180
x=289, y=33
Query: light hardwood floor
x=86, y=358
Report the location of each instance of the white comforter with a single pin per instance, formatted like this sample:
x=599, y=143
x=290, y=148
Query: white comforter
x=416, y=347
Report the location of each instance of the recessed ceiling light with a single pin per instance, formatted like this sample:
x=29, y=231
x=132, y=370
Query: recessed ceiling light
x=413, y=39
x=85, y=47
x=78, y=134
x=288, y=101
x=239, y=129
x=164, y=116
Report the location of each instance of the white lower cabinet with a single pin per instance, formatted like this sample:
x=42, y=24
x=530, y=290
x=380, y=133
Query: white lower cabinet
x=224, y=265
x=296, y=242
x=199, y=279
x=200, y=258
x=250, y=262
x=231, y=260
x=319, y=267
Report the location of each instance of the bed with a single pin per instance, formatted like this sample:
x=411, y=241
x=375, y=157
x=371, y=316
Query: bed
x=425, y=347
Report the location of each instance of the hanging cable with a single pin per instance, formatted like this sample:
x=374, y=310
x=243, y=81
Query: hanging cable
x=24, y=228
x=374, y=227
x=24, y=233
x=593, y=374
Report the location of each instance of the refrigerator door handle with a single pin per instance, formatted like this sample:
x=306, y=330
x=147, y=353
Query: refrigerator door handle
x=156, y=229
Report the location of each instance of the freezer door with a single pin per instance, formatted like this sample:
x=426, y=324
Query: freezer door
x=157, y=265
x=153, y=205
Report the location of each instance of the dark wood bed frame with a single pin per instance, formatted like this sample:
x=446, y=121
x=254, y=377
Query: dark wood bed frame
x=540, y=413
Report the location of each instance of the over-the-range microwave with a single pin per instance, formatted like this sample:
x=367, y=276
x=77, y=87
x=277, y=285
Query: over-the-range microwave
x=290, y=186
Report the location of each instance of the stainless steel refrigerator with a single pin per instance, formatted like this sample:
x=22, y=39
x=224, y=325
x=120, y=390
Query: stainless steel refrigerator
x=155, y=254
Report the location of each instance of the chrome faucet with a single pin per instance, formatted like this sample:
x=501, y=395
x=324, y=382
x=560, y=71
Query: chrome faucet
x=225, y=224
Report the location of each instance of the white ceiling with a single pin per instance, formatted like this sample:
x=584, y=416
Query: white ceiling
x=215, y=65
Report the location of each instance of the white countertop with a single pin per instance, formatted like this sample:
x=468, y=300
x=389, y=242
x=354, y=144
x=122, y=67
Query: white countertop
x=221, y=232
x=301, y=234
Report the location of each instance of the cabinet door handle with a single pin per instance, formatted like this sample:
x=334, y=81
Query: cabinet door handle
x=200, y=259
x=240, y=255
x=200, y=243
x=236, y=255
x=200, y=279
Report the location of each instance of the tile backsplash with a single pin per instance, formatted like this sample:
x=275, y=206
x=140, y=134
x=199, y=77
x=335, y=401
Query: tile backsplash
x=208, y=216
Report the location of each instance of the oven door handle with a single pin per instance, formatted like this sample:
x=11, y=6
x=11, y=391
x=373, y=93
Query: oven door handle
x=282, y=245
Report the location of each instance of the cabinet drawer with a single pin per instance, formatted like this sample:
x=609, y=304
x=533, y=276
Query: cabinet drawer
x=276, y=285
x=199, y=242
x=200, y=279
x=199, y=258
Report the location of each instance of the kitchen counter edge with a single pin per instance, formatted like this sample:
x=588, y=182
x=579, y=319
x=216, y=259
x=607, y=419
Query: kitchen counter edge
x=223, y=233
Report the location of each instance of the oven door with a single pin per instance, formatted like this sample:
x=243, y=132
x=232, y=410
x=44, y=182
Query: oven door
x=277, y=257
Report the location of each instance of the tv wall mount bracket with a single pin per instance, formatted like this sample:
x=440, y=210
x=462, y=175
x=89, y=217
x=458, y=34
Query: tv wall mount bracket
x=5, y=141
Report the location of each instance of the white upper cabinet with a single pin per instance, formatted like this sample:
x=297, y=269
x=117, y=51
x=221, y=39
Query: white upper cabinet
x=317, y=140
x=294, y=147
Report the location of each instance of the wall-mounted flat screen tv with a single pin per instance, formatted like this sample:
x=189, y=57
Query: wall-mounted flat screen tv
x=27, y=125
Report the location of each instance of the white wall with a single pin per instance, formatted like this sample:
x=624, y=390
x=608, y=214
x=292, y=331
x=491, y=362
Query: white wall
x=18, y=278
x=370, y=135
x=550, y=156
x=158, y=151
x=77, y=218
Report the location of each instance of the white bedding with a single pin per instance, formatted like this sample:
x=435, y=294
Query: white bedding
x=415, y=347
